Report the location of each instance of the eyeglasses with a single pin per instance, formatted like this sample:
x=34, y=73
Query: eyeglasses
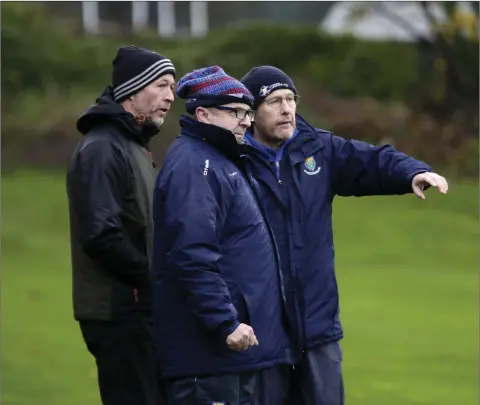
x=240, y=113
x=276, y=102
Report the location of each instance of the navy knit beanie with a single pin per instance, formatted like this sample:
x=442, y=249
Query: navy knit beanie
x=263, y=80
x=210, y=87
x=135, y=68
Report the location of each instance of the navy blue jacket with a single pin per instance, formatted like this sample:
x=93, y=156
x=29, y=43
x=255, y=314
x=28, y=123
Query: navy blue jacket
x=215, y=263
x=297, y=185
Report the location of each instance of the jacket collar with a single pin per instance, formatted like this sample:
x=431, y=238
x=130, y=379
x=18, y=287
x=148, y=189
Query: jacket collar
x=303, y=144
x=220, y=138
x=106, y=110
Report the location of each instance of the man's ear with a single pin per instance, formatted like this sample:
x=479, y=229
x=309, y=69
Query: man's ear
x=202, y=115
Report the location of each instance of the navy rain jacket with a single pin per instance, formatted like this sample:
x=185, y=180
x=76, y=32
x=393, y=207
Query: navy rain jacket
x=215, y=264
x=297, y=185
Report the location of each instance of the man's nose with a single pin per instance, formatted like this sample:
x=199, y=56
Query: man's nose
x=285, y=108
x=170, y=97
x=246, y=122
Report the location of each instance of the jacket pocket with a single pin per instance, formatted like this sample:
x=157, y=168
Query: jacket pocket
x=240, y=302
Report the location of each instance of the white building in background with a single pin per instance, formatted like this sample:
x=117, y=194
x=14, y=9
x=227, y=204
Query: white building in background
x=394, y=20
x=166, y=19
x=90, y=17
x=192, y=18
x=383, y=20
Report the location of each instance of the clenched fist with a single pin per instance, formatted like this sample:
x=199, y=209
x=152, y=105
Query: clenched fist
x=242, y=338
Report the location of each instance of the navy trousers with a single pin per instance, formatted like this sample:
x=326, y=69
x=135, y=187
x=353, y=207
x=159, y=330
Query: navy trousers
x=315, y=380
x=227, y=389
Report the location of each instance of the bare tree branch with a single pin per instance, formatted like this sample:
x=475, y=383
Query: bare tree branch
x=445, y=50
x=476, y=8
x=430, y=18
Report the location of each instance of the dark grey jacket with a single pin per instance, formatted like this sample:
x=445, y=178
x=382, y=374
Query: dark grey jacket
x=110, y=184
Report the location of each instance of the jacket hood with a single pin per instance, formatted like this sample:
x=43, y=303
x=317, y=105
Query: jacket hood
x=107, y=110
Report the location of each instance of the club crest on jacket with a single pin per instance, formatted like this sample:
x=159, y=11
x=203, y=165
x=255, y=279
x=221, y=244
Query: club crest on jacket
x=311, y=166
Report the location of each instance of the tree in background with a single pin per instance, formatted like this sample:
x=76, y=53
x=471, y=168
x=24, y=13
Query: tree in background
x=448, y=62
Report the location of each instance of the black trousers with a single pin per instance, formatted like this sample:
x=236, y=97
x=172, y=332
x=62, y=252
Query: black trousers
x=125, y=357
x=227, y=389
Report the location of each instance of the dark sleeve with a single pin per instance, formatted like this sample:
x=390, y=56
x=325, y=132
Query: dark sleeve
x=97, y=191
x=193, y=222
x=361, y=169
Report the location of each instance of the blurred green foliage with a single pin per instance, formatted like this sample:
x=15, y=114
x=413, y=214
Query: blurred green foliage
x=41, y=55
x=405, y=93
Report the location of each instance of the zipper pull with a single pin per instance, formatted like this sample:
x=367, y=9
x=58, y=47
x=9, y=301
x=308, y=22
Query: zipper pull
x=277, y=164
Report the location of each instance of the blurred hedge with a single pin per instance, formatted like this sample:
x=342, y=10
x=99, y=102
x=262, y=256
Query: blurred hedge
x=41, y=55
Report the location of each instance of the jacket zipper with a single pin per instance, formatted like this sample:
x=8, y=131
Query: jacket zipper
x=294, y=281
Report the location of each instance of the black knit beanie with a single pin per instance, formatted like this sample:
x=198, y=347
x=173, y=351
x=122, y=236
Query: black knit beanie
x=263, y=80
x=135, y=68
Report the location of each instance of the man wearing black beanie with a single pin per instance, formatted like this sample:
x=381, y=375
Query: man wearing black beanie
x=300, y=169
x=110, y=185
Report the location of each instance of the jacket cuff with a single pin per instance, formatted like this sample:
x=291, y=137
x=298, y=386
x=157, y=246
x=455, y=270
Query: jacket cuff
x=419, y=171
x=226, y=328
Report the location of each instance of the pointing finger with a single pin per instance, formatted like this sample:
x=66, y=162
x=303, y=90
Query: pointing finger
x=418, y=192
x=430, y=180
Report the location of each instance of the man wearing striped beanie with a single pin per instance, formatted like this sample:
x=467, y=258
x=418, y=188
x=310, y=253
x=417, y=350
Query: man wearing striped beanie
x=216, y=98
x=217, y=294
x=110, y=190
x=142, y=83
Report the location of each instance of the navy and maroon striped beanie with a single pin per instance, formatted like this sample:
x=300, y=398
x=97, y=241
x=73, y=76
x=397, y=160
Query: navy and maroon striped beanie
x=210, y=87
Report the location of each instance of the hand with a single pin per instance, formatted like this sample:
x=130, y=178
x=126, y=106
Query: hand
x=242, y=338
x=428, y=179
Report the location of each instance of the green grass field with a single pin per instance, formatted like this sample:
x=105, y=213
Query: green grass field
x=408, y=278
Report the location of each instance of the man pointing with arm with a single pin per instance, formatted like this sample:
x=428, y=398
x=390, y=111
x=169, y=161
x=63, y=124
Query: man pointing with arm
x=299, y=170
